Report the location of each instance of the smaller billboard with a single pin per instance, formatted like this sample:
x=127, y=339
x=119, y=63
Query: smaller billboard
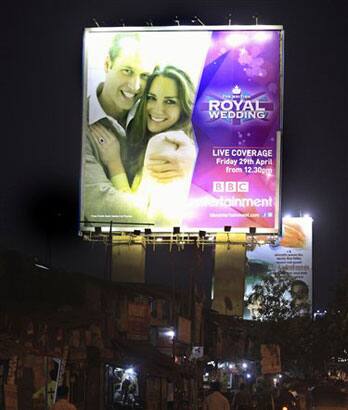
x=291, y=255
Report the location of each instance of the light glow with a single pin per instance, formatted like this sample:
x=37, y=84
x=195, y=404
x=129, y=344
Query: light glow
x=236, y=39
x=170, y=333
x=262, y=36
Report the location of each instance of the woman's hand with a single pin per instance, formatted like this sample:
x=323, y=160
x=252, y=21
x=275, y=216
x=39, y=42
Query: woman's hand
x=109, y=149
x=169, y=156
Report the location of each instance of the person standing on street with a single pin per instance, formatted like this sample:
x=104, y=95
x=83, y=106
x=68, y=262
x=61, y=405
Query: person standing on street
x=216, y=400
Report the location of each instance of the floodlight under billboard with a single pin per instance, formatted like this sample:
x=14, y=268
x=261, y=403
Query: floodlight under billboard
x=182, y=127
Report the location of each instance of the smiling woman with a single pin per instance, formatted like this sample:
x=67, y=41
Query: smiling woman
x=163, y=107
x=137, y=127
x=166, y=105
x=157, y=161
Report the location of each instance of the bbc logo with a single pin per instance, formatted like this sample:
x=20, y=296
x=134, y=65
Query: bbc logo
x=230, y=186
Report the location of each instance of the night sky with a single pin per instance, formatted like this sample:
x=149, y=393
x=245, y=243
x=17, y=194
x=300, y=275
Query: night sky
x=41, y=123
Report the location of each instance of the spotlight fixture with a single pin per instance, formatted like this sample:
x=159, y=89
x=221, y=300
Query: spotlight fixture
x=95, y=22
x=227, y=228
x=176, y=230
x=137, y=232
x=177, y=21
x=202, y=234
x=148, y=231
x=98, y=230
x=198, y=20
x=252, y=230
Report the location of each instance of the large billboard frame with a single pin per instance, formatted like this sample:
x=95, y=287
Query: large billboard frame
x=88, y=226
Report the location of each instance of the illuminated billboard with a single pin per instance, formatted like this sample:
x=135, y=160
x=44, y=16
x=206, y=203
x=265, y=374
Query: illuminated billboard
x=182, y=127
x=290, y=256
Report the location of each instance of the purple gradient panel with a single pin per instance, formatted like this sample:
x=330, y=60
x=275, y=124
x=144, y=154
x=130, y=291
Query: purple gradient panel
x=235, y=119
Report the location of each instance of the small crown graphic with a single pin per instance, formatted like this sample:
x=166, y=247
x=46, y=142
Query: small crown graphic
x=236, y=90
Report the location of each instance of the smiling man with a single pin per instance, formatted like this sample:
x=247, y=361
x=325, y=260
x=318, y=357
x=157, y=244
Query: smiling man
x=110, y=110
x=126, y=70
x=126, y=67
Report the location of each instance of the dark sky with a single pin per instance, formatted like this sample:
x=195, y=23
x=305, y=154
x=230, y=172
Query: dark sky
x=41, y=123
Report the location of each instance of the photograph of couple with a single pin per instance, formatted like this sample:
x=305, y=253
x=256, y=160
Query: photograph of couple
x=139, y=149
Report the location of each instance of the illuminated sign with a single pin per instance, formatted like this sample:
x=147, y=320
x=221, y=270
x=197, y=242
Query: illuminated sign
x=182, y=127
x=290, y=255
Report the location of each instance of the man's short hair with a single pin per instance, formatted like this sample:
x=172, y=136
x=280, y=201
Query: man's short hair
x=120, y=41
